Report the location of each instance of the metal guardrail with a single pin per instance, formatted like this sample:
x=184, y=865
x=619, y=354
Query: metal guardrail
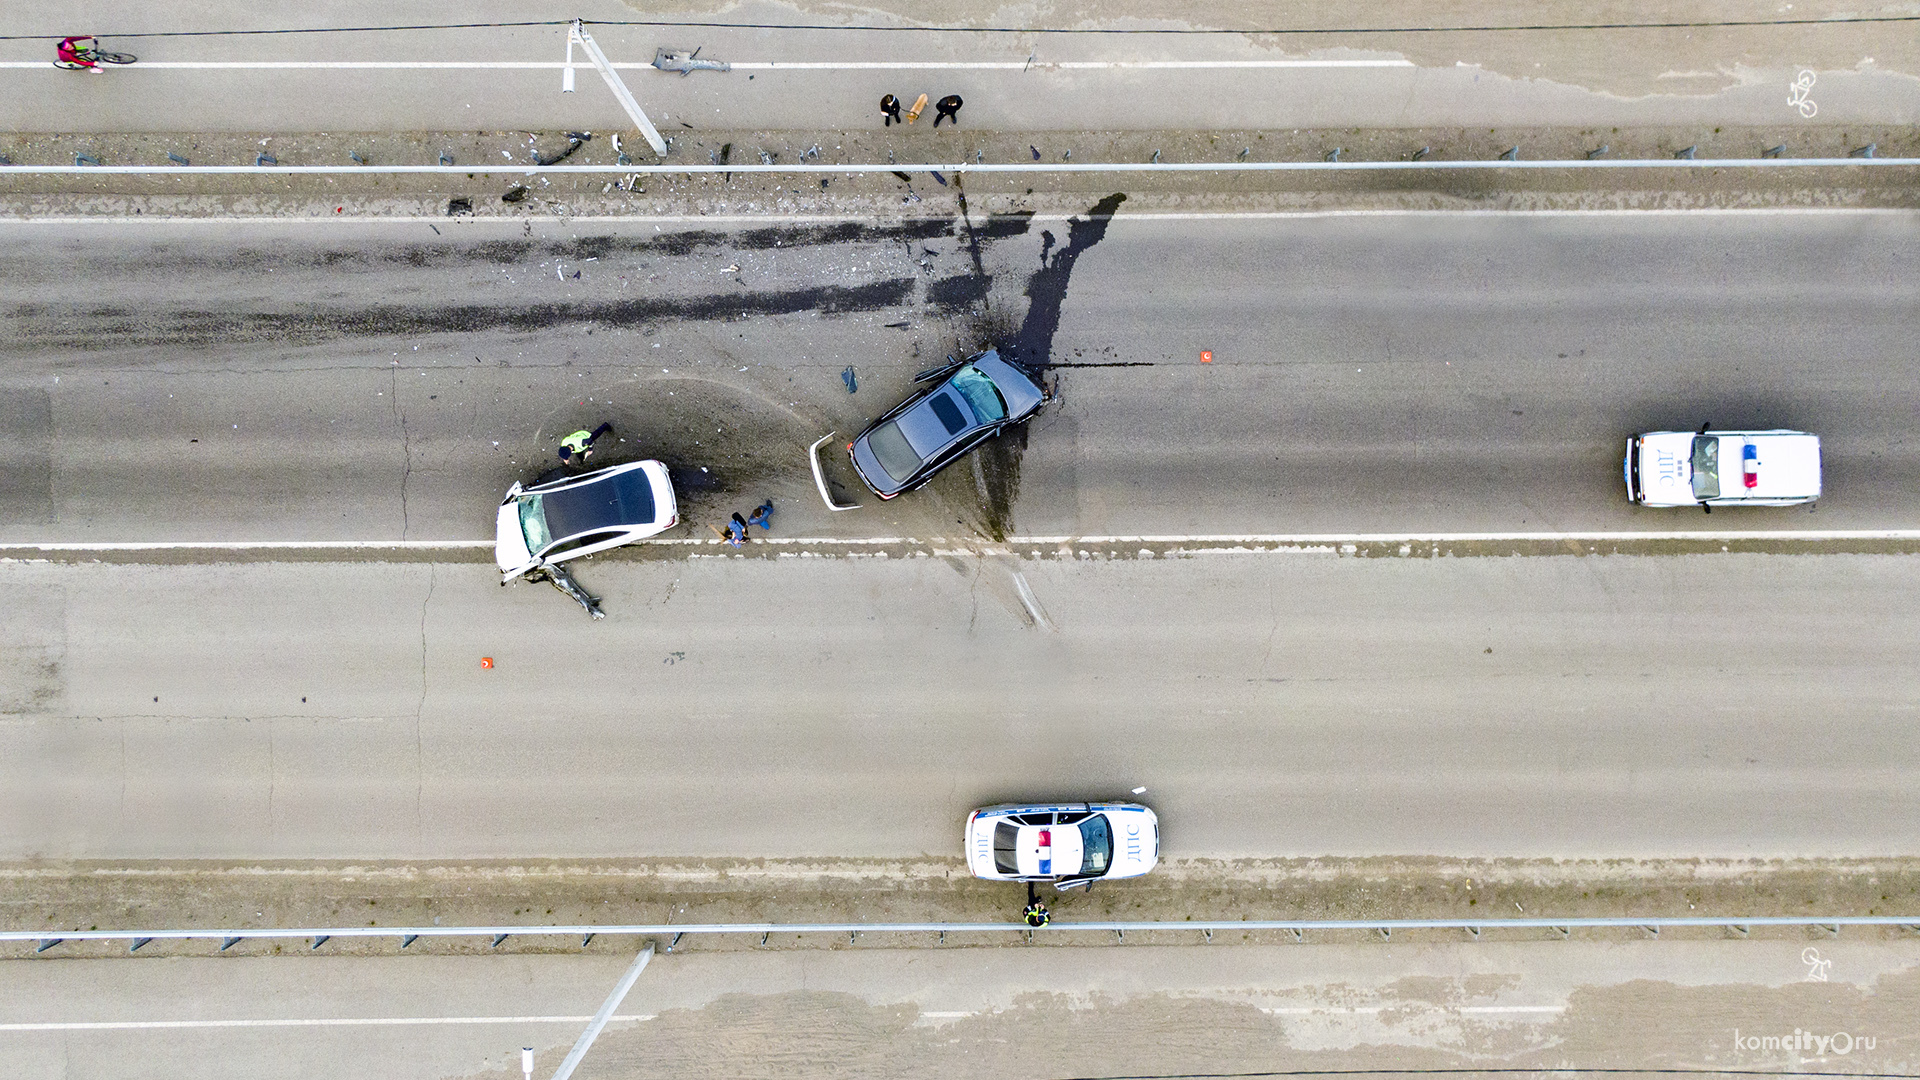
x=1299, y=927
x=963, y=168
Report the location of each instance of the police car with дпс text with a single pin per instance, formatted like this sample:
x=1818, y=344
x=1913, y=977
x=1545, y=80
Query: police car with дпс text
x=1070, y=845
x=1723, y=468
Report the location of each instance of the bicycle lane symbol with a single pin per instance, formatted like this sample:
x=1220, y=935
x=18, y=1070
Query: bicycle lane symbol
x=1797, y=92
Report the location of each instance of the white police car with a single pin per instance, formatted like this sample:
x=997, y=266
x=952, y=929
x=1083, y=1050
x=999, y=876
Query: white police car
x=1723, y=468
x=1071, y=845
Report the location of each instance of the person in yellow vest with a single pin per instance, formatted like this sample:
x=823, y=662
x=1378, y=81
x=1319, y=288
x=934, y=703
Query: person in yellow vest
x=576, y=448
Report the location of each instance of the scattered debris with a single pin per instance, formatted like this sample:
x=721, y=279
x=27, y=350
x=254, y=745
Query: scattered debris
x=459, y=205
x=686, y=63
x=852, y=381
x=514, y=194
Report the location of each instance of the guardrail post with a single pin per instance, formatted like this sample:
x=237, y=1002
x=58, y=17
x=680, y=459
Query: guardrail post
x=1209, y=935
x=497, y=939
x=137, y=942
x=1298, y=934
x=1740, y=931
x=1598, y=151
x=1774, y=151
x=47, y=943
x=1566, y=932
x=1421, y=154
x=1688, y=152
x=675, y=941
x=1386, y=933
x=319, y=941
x=229, y=943
x=408, y=940
x=1512, y=154
x=1475, y=931
x=1652, y=931
x=1864, y=151
x=585, y=940
x=1832, y=930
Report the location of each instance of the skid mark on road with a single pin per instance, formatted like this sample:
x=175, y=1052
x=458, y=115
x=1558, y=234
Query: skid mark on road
x=77, y=327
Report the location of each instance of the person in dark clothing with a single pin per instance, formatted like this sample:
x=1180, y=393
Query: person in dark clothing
x=947, y=108
x=890, y=108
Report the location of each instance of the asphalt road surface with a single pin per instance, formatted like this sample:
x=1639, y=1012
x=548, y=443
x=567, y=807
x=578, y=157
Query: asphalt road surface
x=1404, y=373
x=1272, y=704
x=1398, y=373
x=1133, y=1010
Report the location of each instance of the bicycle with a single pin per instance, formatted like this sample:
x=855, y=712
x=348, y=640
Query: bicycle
x=88, y=57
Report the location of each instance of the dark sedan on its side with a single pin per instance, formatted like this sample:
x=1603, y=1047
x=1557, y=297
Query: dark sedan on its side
x=971, y=402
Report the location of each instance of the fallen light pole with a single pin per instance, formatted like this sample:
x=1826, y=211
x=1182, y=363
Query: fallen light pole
x=577, y=35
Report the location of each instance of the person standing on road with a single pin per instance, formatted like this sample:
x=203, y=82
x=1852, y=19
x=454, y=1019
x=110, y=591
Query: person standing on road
x=890, y=108
x=763, y=516
x=947, y=108
x=576, y=448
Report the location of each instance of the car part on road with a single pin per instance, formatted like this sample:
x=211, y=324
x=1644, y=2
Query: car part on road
x=686, y=63
x=820, y=477
x=560, y=579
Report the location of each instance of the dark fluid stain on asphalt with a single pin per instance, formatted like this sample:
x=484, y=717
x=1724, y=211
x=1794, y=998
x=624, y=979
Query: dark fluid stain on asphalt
x=1047, y=289
x=321, y=324
x=990, y=480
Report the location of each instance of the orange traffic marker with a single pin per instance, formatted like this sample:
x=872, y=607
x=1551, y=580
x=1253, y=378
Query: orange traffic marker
x=1206, y=356
x=486, y=661
x=919, y=106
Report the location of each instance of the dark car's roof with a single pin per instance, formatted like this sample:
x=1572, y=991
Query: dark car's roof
x=617, y=501
x=936, y=421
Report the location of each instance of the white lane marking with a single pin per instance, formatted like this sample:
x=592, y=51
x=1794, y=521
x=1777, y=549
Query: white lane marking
x=253, y=545
x=963, y=168
x=371, y=1021
x=1372, y=1010
x=810, y=219
x=1211, y=539
x=754, y=65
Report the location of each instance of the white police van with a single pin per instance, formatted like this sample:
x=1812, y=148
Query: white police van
x=1070, y=845
x=1723, y=468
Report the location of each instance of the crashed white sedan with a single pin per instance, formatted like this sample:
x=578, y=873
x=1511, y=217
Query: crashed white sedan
x=1071, y=845
x=540, y=526
x=1723, y=468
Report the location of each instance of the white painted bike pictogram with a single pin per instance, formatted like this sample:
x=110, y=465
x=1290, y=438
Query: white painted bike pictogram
x=1797, y=92
x=1817, y=966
